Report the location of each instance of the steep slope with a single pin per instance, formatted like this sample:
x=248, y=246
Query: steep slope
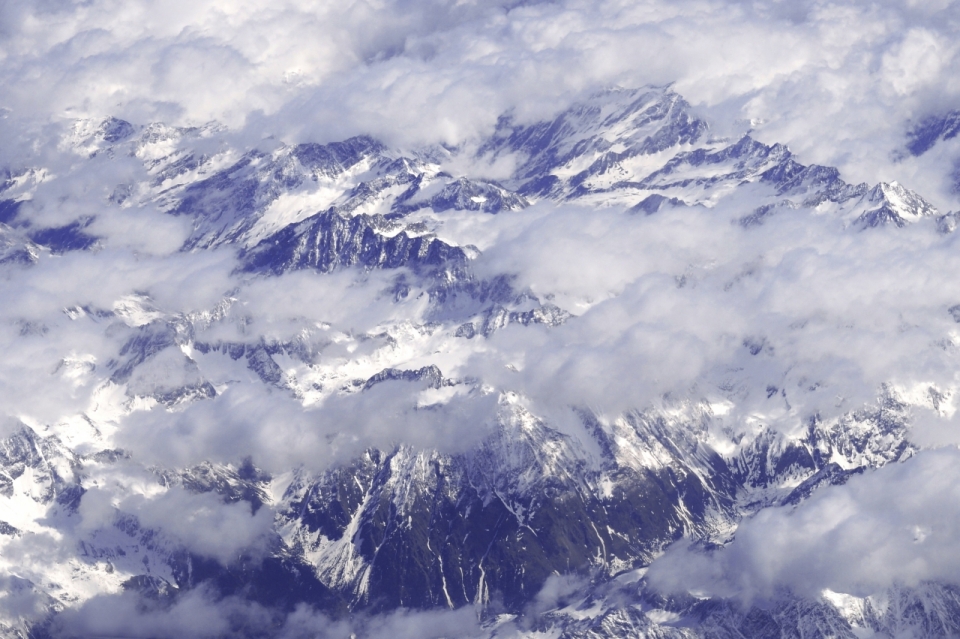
x=398, y=327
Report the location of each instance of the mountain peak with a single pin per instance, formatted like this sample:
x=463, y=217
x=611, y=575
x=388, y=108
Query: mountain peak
x=892, y=203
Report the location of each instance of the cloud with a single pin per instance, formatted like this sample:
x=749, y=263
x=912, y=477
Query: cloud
x=668, y=301
x=896, y=525
x=199, y=613
x=200, y=522
x=916, y=61
x=196, y=61
x=62, y=360
x=203, y=523
x=282, y=434
x=195, y=614
x=836, y=81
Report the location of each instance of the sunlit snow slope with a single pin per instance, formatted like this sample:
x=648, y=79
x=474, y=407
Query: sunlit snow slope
x=273, y=387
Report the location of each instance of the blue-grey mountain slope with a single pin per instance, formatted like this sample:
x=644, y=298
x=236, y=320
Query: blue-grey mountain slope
x=595, y=496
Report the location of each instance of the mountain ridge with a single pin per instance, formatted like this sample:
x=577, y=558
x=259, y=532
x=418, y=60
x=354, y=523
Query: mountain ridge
x=594, y=494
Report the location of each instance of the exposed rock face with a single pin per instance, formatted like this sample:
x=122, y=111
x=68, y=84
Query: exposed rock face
x=407, y=527
x=328, y=241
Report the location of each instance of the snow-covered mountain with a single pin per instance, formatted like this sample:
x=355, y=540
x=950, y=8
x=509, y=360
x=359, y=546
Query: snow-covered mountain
x=431, y=465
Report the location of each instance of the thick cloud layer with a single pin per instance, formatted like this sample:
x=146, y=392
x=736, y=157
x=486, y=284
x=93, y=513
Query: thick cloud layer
x=894, y=526
x=839, y=82
x=689, y=304
x=676, y=298
x=198, y=615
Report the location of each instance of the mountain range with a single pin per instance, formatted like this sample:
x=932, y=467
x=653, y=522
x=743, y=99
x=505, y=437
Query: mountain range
x=481, y=497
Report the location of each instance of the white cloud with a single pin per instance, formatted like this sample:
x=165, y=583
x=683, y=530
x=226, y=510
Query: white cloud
x=837, y=81
x=667, y=300
x=203, y=523
x=917, y=61
x=662, y=303
x=894, y=526
x=248, y=418
x=200, y=614
x=197, y=613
